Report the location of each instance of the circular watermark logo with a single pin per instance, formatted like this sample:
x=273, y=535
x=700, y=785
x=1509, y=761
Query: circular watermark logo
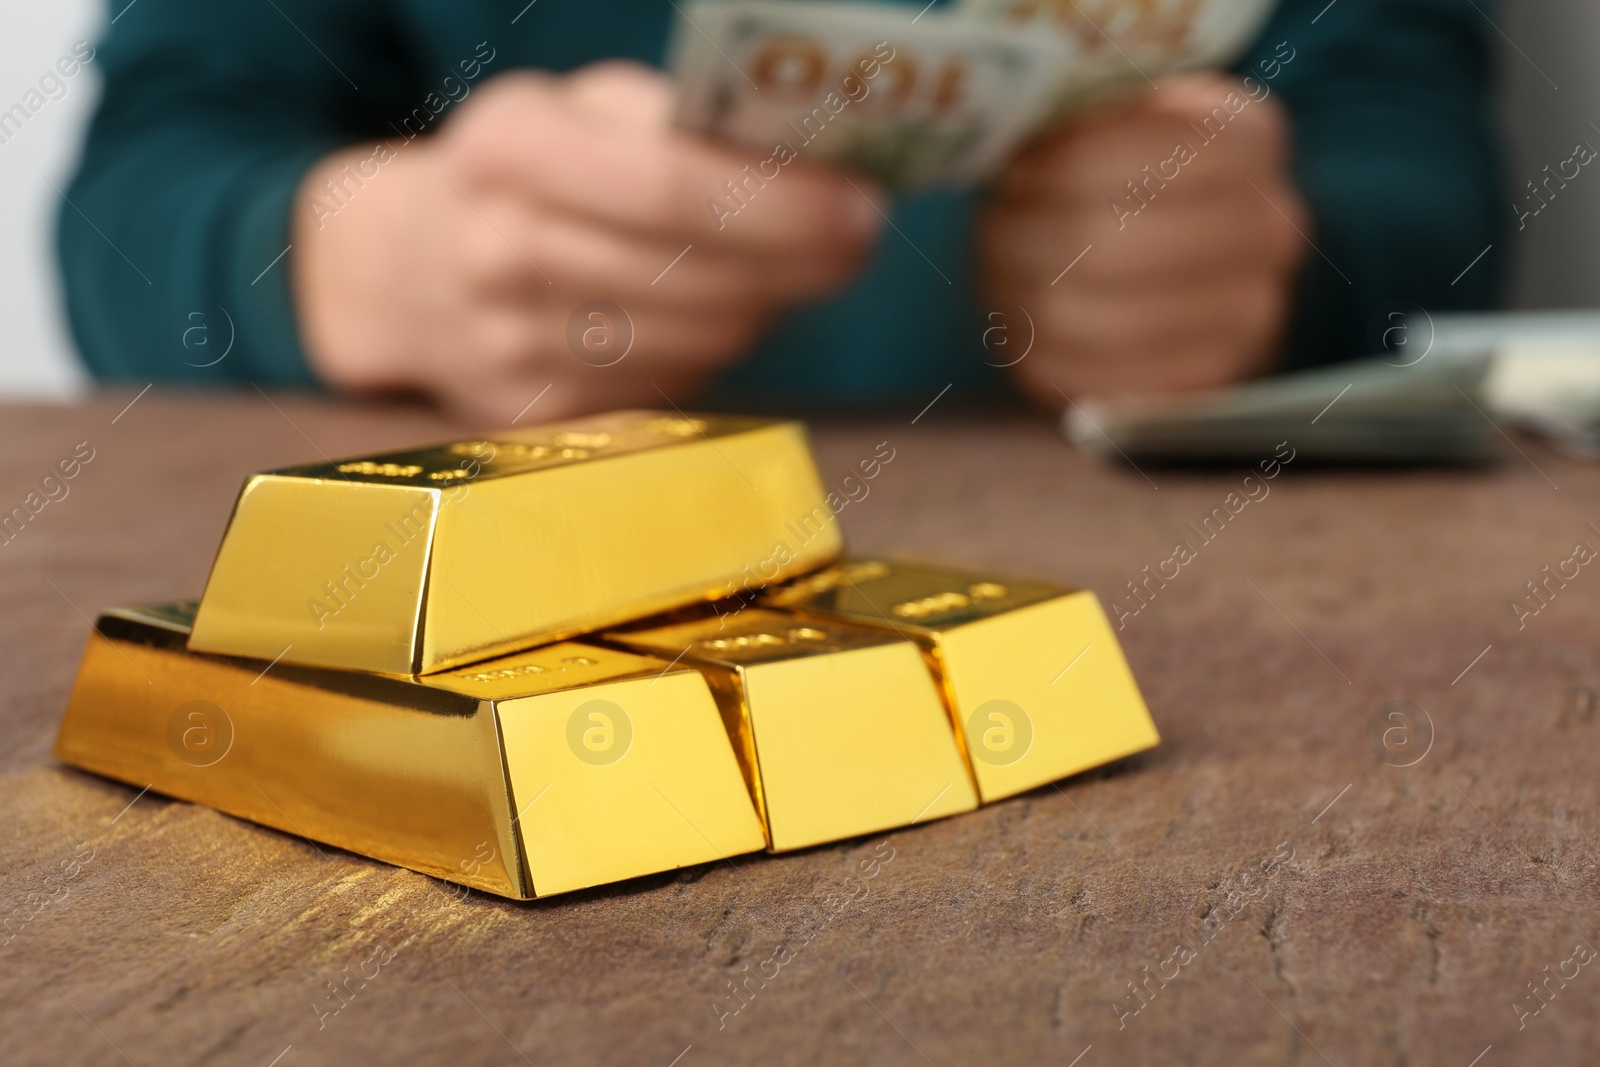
x=202, y=348
x=600, y=333
x=999, y=732
x=1007, y=336
x=199, y=733
x=599, y=732
x=1400, y=733
x=1402, y=332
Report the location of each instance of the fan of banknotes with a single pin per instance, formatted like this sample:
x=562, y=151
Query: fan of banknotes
x=924, y=97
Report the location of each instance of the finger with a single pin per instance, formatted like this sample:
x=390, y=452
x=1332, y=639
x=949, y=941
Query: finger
x=1157, y=334
x=1210, y=102
x=1201, y=102
x=627, y=340
x=1100, y=173
x=666, y=184
x=571, y=334
x=679, y=341
x=1099, y=326
x=1160, y=243
x=1199, y=364
x=508, y=251
x=577, y=255
x=1203, y=138
x=681, y=187
x=625, y=93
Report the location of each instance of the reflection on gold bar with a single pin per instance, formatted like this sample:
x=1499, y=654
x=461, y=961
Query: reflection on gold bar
x=839, y=728
x=539, y=773
x=418, y=561
x=1033, y=673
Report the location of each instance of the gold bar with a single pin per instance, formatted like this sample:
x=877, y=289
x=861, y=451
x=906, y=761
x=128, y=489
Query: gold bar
x=1035, y=679
x=417, y=561
x=839, y=728
x=550, y=770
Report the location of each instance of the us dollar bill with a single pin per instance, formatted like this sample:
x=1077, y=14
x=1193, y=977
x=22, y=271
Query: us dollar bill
x=1120, y=44
x=915, y=102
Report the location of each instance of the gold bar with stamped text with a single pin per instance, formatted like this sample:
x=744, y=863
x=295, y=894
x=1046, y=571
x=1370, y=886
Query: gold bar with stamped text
x=542, y=772
x=1035, y=680
x=840, y=729
x=426, y=559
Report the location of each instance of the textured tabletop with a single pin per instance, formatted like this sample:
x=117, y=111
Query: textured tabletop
x=1368, y=837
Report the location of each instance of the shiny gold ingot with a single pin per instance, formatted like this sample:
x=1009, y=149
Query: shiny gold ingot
x=840, y=729
x=546, y=771
x=417, y=561
x=1036, y=681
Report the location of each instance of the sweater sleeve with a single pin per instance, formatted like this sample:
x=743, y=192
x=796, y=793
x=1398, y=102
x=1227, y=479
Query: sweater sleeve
x=173, y=237
x=1390, y=107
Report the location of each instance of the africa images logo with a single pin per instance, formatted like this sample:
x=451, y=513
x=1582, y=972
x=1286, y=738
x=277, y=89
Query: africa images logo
x=199, y=733
x=599, y=732
x=999, y=733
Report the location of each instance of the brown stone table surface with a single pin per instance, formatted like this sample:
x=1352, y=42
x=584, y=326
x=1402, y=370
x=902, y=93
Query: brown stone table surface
x=1345, y=896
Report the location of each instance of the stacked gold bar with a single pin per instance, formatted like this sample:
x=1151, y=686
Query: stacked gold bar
x=455, y=659
x=840, y=728
x=412, y=562
x=1032, y=674
x=467, y=774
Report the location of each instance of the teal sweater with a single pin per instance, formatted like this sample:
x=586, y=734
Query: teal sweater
x=179, y=213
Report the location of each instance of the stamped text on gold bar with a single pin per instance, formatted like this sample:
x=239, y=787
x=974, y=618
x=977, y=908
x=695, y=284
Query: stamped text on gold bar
x=1037, y=684
x=418, y=561
x=840, y=728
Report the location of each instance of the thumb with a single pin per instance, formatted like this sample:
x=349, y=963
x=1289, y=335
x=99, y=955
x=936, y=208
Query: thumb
x=624, y=93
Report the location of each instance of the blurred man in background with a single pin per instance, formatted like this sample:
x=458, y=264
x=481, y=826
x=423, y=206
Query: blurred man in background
x=265, y=160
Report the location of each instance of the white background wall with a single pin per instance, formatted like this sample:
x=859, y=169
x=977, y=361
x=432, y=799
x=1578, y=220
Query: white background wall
x=1552, y=93
x=35, y=352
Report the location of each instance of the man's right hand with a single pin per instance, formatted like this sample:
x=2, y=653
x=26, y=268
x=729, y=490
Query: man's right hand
x=459, y=269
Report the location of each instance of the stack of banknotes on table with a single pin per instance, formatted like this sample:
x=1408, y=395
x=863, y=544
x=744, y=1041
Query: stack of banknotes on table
x=585, y=652
x=1447, y=391
x=923, y=97
x=1365, y=411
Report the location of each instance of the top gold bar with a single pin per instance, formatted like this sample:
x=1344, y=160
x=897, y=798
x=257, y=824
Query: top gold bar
x=422, y=560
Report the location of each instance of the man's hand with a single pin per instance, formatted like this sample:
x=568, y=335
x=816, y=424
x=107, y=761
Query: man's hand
x=1187, y=277
x=460, y=268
